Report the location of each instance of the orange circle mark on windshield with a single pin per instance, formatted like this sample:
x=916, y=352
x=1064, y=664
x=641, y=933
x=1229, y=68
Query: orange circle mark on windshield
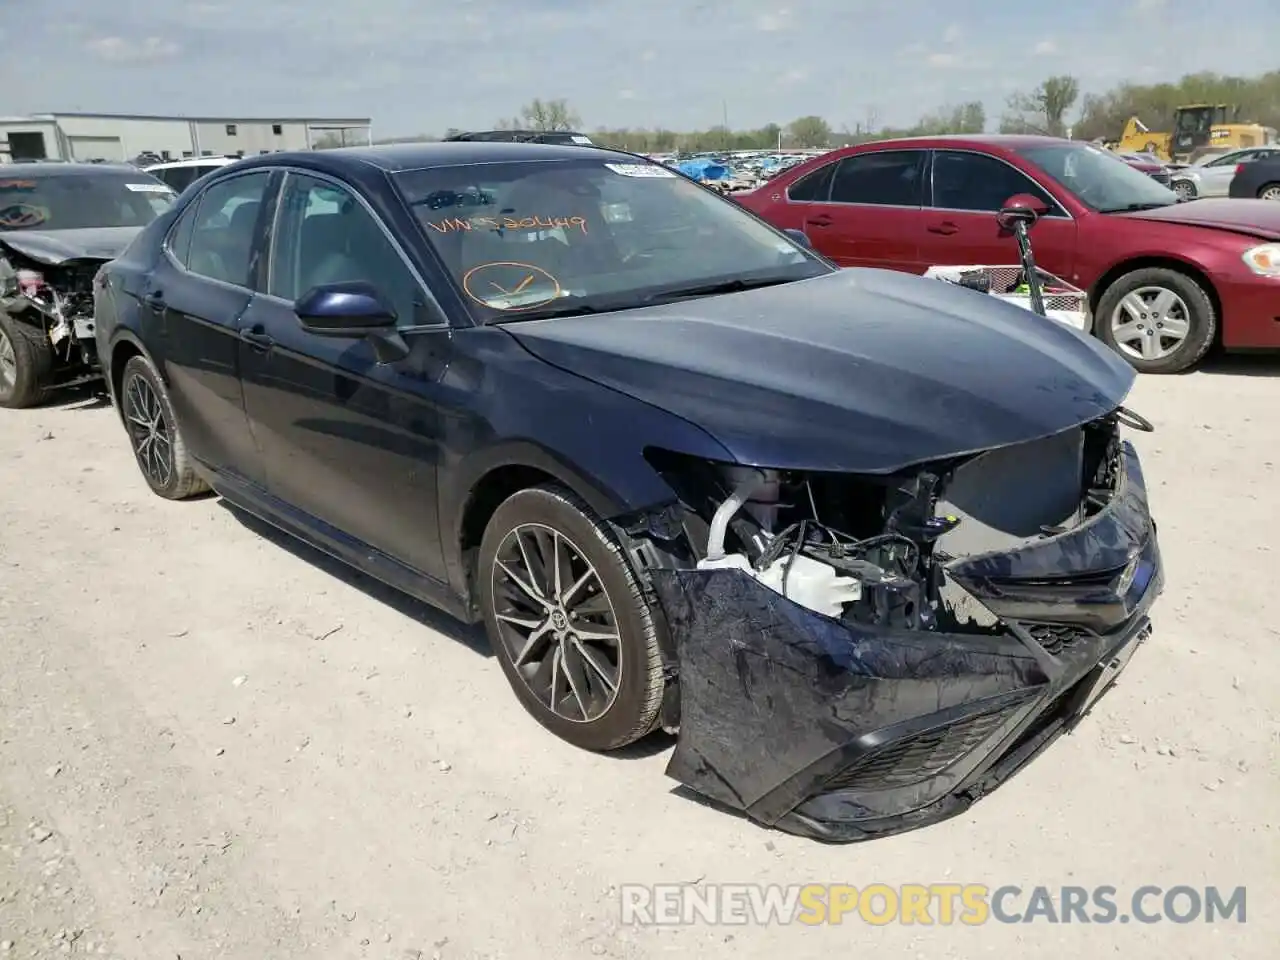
x=501, y=279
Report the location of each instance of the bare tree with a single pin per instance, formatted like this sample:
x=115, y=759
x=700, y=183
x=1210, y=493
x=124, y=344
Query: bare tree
x=1044, y=109
x=543, y=115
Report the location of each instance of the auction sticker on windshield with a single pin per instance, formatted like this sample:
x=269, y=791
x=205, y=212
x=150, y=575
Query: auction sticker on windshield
x=509, y=285
x=149, y=187
x=640, y=170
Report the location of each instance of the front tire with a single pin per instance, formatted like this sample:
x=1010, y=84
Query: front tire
x=1185, y=190
x=1159, y=319
x=26, y=361
x=568, y=620
x=153, y=431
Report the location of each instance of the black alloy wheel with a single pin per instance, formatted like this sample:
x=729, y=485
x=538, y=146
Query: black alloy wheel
x=569, y=621
x=153, y=433
x=557, y=622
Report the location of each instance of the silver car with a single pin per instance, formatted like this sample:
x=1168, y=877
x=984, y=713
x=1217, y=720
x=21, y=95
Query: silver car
x=1210, y=176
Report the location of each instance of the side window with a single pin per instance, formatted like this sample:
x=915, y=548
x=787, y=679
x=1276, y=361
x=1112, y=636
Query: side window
x=813, y=187
x=179, y=240
x=224, y=227
x=325, y=235
x=886, y=177
x=979, y=183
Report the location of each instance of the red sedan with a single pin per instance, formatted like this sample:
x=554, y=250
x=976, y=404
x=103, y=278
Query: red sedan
x=1166, y=280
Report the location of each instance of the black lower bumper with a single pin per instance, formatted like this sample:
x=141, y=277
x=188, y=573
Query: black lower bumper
x=844, y=733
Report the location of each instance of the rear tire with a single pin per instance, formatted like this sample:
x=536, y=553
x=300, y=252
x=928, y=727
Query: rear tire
x=605, y=694
x=1130, y=316
x=26, y=360
x=1270, y=191
x=153, y=431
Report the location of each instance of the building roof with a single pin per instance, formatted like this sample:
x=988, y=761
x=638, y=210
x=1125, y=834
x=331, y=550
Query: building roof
x=332, y=121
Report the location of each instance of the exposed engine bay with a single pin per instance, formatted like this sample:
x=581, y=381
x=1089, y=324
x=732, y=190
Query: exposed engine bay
x=58, y=299
x=873, y=550
x=860, y=655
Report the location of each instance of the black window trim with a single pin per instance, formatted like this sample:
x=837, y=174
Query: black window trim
x=925, y=160
x=820, y=168
x=1059, y=211
x=195, y=205
x=433, y=302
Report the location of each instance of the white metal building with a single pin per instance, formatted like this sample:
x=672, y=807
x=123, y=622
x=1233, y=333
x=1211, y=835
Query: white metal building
x=116, y=137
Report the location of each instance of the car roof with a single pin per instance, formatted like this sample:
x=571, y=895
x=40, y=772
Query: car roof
x=400, y=157
x=57, y=168
x=191, y=162
x=1009, y=141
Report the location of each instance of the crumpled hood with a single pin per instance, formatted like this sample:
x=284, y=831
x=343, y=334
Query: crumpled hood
x=59, y=246
x=1254, y=218
x=861, y=370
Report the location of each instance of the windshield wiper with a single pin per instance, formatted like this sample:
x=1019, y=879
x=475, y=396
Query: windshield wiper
x=1135, y=207
x=733, y=285
x=545, y=313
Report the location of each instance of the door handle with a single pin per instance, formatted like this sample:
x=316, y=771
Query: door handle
x=822, y=220
x=257, y=338
x=154, y=299
x=946, y=228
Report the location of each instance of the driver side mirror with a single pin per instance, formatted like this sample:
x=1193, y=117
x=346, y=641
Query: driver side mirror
x=1021, y=208
x=352, y=308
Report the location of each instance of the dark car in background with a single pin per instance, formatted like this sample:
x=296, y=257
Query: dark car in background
x=1258, y=178
x=1166, y=280
x=60, y=222
x=688, y=474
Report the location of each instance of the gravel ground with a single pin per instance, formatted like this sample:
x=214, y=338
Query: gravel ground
x=217, y=744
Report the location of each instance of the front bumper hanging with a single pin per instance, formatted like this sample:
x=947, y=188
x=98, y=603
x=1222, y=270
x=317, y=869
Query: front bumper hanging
x=843, y=732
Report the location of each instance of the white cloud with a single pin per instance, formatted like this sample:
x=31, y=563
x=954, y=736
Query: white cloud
x=952, y=34
x=942, y=59
x=627, y=95
x=774, y=21
x=120, y=50
x=1046, y=48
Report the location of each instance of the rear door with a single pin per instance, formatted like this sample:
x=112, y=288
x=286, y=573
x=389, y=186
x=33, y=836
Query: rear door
x=1216, y=175
x=872, y=212
x=198, y=295
x=967, y=191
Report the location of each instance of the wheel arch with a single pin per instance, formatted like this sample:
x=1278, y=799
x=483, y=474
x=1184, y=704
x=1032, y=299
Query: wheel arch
x=485, y=481
x=124, y=346
x=1169, y=262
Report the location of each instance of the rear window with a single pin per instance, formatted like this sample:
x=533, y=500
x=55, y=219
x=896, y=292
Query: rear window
x=78, y=201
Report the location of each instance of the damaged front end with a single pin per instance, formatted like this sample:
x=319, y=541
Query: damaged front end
x=861, y=655
x=57, y=298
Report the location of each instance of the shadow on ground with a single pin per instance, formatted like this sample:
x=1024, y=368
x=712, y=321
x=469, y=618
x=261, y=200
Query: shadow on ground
x=470, y=636
x=1241, y=365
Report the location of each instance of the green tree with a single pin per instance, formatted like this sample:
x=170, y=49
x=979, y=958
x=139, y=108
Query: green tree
x=809, y=132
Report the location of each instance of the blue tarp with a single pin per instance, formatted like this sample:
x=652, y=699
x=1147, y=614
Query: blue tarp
x=703, y=170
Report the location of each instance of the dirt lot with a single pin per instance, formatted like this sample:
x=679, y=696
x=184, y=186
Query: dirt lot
x=216, y=744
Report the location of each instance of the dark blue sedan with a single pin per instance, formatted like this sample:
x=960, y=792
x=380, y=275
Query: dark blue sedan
x=867, y=541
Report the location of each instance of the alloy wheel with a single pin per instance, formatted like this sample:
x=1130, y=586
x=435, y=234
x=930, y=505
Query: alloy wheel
x=1271, y=193
x=8, y=365
x=1150, y=323
x=556, y=622
x=1184, y=190
x=152, y=443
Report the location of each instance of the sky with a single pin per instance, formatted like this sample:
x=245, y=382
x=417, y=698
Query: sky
x=422, y=66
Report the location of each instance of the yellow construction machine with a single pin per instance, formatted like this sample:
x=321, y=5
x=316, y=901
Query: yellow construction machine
x=1198, y=128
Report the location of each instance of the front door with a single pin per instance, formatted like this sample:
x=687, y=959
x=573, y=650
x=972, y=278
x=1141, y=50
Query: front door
x=199, y=294
x=962, y=227
x=349, y=443
x=874, y=211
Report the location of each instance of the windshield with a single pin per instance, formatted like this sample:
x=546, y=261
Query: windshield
x=528, y=239
x=78, y=200
x=1100, y=179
